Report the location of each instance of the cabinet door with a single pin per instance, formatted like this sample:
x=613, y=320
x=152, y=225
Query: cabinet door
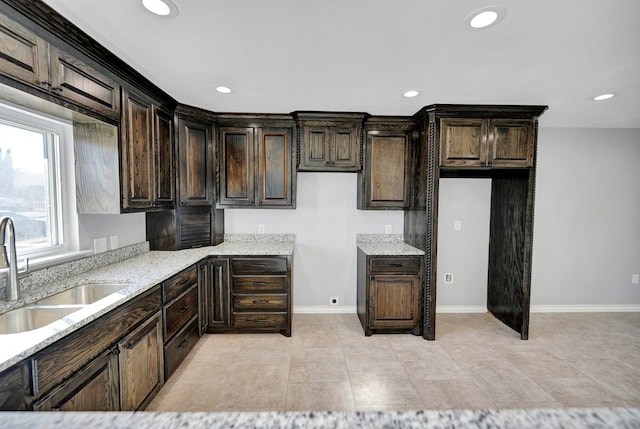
x=275, y=178
x=77, y=81
x=93, y=388
x=345, y=145
x=141, y=364
x=213, y=278
x=315, y=147
x=386, y=179
x=196, y=163
x=463, y=142
x=163, y=150
x=511, y=143
x=15, y=387
x=23, y=55
x=237, y=174
x=137, y=153
x=394, y=301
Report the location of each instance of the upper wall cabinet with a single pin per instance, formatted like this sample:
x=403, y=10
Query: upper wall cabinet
x=28, y=58
x=256, y=162
x=329, y=141
x=146, y=154
x=383, y=182
x=195, y=162
x=478, y=142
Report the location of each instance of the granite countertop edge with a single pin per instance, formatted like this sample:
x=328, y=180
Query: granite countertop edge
x=137, y=274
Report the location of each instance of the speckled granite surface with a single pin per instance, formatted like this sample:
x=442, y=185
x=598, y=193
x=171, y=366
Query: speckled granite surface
x=136, y=272
x=385, y=245
x=485, y=419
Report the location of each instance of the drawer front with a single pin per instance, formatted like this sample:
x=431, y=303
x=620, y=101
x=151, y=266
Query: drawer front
x=70, y=354
x=260, y=320
x=179, y=283
x=258, y=265
x=180, y=311
x=395, y=265
x=179, y=347
x=260, y=302
x=262, y=284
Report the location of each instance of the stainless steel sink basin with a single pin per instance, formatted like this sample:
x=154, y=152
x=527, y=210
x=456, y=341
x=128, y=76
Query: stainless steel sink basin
x=82, y=295
x=29, y=318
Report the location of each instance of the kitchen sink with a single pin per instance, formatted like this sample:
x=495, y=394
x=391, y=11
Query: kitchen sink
x=28, y=318
x=82, y=295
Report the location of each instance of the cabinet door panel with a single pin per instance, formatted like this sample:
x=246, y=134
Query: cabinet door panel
x=316, y=147
x=512, y=143
x=274, y=167
x=345, y=149
x=196, y=163
x=94, y=388
x=237, y=182
x=138, y=175
x=163, y=141
x=23, y=55
x=463, y=142
x=394, y=301
x=141, y=364
x=216, y=292
x=387, y=171
x=77, y=81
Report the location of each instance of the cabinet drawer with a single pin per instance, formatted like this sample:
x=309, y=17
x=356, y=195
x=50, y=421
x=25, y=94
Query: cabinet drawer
x=179, y=347
x=260, y=320
x=180, y=311
x=260, y=302
x=395, y=265
x=179, y=283
x=263, y=284
x=258, y=265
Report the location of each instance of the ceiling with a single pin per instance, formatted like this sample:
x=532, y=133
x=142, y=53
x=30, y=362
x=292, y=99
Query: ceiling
x=360, y=55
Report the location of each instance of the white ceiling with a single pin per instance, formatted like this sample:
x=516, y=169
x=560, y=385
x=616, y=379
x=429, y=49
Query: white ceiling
x=359, y=55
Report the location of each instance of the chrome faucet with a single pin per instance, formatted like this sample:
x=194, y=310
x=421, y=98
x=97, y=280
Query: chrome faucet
x=9, y=260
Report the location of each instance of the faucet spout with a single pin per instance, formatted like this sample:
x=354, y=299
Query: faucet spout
x=9, y=259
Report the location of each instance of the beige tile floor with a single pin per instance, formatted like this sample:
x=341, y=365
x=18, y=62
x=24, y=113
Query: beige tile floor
x=570, y=360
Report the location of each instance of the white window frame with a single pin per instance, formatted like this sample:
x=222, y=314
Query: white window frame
x=61, y=176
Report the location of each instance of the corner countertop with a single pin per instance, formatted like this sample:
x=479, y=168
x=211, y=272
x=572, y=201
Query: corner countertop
x=569, y=418
x=137, y=274
x=386, y=245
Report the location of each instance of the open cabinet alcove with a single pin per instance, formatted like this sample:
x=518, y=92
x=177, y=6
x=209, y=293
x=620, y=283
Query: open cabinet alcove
x=496, y=142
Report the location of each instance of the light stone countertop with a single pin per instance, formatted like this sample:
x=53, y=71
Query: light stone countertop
x=386, y=245
x=571, y=418
x=137, y=274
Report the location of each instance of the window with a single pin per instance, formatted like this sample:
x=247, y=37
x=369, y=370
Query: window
x=31, y=180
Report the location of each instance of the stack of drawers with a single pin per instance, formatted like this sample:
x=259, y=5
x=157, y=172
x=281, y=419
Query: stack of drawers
x=261, y=294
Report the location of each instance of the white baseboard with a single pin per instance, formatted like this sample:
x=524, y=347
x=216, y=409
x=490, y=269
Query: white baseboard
x=632, y=308
x=324, y=309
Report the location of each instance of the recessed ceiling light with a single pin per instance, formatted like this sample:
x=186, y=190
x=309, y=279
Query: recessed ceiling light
x=603, y=97
x=410, y=93
x=223, y=89
x=485, y=17
x=160, y=7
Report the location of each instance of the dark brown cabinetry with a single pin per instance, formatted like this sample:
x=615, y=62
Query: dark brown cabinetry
x=181, y=304
x=145, y=153
x=329, y=141
x=389, y=293
x=383, y=182
x=15, y=387
x=196, y=162
x=32, y=60
x=256, y=161
x=214, y=289
x=477, y=142
x=496, y=142
x=261, y=294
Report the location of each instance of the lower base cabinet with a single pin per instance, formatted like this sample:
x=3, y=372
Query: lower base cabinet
x=389, y=293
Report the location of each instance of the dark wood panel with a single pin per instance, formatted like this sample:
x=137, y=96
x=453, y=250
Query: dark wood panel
x=179, y=347
x=15, y=388
x=180, y=311
x=395, y=301
x=196, y=229
x=214, y=278
x=258, y=265
x=263, y=302
x=257, y=321
x=512, y=143
x=394, y=264
x=237, y=181
x=62, y=359
x=164, y=157
x=275, y=167
x=196, y=160
x=260, y=284
x=463, y=142
x=179, y=283
x=507, y=294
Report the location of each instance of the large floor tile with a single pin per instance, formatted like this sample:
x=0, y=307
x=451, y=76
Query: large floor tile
x=320, y=397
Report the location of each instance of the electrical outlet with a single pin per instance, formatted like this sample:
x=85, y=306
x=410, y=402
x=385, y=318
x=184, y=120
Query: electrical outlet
x=457, y=225
x=388, y=229
x=448, y=278
x=635, y=279
x=114, y=242
x=261, y=228
x=99, y=245
x=333, y=300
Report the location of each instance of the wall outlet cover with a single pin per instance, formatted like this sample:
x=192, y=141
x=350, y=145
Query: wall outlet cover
x=99, y=245
x=333, y=300
x=113, y=242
